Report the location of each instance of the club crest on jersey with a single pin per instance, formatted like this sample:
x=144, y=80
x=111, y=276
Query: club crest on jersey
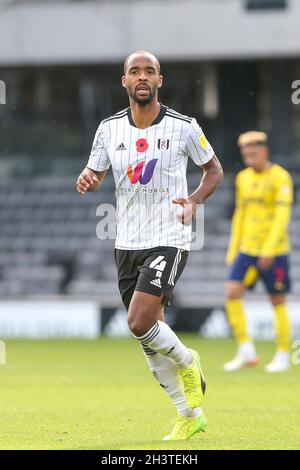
x=163, y=144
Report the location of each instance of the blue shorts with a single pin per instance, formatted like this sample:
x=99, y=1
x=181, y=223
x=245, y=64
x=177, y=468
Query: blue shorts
x=276, y=279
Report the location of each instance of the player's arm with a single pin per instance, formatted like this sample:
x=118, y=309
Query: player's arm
x=236, y=225
x=89, y=180
x=202, y=153
x=281, y=219
x=93, y=174
x=211, y=178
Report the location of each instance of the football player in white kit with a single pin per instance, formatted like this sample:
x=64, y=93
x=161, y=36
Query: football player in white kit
x=148, y=146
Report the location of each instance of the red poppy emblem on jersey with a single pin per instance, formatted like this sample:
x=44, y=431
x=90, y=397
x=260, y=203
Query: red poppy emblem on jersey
x=142, y=145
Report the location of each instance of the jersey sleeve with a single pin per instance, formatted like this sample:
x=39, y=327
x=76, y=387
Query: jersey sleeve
x=283, y=208
x=236, y=224
x=99, y=159
x=284, y=189
x=197, y=146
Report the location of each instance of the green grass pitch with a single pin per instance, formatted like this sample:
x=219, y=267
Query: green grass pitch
x=101, y=395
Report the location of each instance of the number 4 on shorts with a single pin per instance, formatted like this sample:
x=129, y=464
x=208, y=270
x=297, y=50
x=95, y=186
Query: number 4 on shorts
x=158, y=264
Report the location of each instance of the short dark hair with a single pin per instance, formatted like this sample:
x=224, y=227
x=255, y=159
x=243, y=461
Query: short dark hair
x=145, y=53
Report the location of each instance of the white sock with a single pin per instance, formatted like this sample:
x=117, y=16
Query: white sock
x=165, y=371
x=160, y=338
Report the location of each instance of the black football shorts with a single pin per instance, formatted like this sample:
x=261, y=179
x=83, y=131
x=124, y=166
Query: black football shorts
x=154, y=270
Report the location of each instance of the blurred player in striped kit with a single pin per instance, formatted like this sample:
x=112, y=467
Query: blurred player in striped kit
x=259, y=247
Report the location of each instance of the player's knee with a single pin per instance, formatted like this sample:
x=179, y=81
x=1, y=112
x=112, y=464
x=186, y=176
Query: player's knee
x=233, y=290
x=277, y=299
x=137, y=324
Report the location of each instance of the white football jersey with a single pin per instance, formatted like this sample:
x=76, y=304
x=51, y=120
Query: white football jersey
x=149, y=167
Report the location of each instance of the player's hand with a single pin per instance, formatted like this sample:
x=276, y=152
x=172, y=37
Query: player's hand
x=87, y=180
x=230, y=258
x=186, y=212
x=265, y=263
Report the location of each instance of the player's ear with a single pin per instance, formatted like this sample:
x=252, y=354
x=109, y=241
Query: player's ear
x=160, y=81
x=123, y=81
x=267, y=152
